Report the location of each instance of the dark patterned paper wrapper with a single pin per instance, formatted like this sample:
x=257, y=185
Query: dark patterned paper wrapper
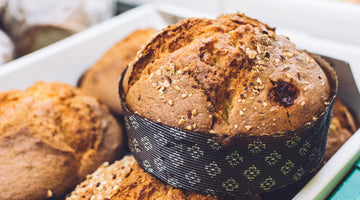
x=248, y=164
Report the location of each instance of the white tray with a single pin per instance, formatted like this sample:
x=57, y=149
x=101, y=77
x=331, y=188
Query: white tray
x=66, y=60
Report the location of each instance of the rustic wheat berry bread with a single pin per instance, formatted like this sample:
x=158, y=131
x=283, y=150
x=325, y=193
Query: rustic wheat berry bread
x=101, y=80
x=228, y=75
x=126, y=180
x=51, y=136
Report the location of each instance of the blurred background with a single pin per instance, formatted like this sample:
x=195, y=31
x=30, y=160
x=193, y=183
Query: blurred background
x=28, y=25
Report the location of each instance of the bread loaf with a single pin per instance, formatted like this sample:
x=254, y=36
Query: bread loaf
x=33, y=24
x=51, y=136
x=228, y=75
x=101, y=80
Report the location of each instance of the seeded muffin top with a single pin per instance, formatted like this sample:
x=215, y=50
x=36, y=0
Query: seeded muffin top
x=230, y=75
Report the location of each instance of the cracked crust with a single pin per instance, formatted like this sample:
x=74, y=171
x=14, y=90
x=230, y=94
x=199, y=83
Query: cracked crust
x=51, y=136
x=234, y=72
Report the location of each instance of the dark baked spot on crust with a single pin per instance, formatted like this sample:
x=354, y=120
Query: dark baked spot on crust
x=188, y=113
x=283, y=93
x=232, y=62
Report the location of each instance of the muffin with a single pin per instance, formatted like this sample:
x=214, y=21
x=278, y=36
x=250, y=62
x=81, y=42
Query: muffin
x=125, y=179
x=229, y=106
x=51, y=136
x=101, y=80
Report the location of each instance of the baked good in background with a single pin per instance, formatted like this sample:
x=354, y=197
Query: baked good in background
x=51, y=136
x=126, y=180
x=233, y=75
x=102, y=79
x=33, y=24
x=343, y=125
x=6, y=48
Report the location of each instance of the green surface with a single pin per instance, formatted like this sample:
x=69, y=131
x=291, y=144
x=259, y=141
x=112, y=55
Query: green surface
x=350, y=188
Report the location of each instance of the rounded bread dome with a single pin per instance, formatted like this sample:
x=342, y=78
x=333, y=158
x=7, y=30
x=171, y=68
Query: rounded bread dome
x=228, y=75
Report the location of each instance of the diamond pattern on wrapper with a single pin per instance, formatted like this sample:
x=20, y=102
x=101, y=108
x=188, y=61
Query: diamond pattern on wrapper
x=234, y=159
x=192, y=177
x=212, y=169
x=230, y=185
x=251, y=173
x=176, y=159
x=294, y=140
x=160, y=138
x=299, y=173
x=273, y=158
x=133, y=122
x=195, y=151
x=304, y=149
x=286, y=169
x=146, y=142
x=267, y=184
x=147, y=166
x=159, y=163
x=256, y=147
x=136, y=146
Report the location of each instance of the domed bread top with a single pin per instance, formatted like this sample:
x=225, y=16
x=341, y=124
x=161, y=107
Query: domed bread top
x=51, y=136
x=228, y=75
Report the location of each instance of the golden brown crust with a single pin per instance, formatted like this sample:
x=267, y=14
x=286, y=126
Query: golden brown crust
x=101, y=183
x=51, y=136
x=101, y=80
x=138, y=184
x=236, y=74
x=126, y=180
